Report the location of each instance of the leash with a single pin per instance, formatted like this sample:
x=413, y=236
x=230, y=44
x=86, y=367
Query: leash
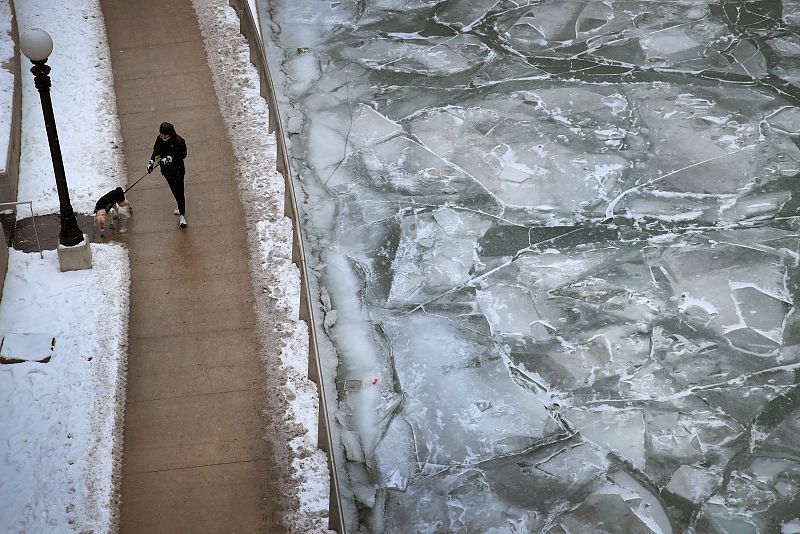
x=157, y=164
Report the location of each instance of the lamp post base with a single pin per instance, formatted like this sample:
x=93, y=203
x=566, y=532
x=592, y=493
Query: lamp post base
x=75, y=258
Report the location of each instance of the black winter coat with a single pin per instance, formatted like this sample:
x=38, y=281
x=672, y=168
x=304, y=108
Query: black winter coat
x=175, y=146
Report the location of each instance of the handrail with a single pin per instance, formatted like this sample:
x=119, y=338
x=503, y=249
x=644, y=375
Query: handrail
x=33, y=220
x=250, y=30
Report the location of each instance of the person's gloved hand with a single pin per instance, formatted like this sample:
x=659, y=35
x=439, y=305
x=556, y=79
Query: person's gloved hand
x=150, y=166
x=166, y=160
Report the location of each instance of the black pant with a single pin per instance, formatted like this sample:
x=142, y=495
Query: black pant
x=176, y=186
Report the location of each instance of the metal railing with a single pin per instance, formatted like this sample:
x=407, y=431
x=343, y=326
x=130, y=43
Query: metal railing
x=33, y=219
x=249, y=29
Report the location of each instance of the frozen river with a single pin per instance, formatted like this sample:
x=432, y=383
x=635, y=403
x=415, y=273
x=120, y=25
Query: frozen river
x=555, y=246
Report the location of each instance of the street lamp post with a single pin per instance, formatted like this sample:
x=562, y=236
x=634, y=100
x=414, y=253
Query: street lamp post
x=37, y=45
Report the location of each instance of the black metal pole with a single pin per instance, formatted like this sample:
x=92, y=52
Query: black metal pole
x=70, y=234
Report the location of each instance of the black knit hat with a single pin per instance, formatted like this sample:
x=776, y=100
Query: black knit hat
x=166, y=128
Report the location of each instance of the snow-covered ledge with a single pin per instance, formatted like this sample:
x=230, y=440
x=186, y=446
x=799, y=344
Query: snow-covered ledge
x=10, y=103
x=279, y=246
x=10, y=114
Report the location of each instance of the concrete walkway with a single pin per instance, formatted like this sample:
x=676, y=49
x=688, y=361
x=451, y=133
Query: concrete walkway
x=194, y=455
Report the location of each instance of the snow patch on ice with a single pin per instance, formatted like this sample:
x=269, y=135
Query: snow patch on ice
x=791, y=527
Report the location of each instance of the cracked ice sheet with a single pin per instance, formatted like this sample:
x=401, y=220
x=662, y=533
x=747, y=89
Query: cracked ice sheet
x=481, y=498
x=462, y=402
x=624, y=367
x=762, y=486
x=691, y=41
x=675, y=327
x=441, y=57
x=434, y=254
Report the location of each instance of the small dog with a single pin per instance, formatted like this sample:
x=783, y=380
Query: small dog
x=111, y=201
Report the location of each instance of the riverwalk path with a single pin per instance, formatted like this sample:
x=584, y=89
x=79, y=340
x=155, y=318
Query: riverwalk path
x=194, y=454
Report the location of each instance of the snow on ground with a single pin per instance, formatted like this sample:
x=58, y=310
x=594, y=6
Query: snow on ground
x=83, y=104
x=262, y=191
x=59, y=427
x=60, y=421
x=6, y=81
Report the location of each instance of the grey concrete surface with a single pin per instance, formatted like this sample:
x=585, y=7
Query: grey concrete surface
x=194, y=454
x=75, y=258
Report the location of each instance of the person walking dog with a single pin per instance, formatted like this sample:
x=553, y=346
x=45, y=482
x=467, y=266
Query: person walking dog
x=170, y=149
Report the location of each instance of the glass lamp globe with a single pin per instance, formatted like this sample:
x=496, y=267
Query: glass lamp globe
x=36, y=44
